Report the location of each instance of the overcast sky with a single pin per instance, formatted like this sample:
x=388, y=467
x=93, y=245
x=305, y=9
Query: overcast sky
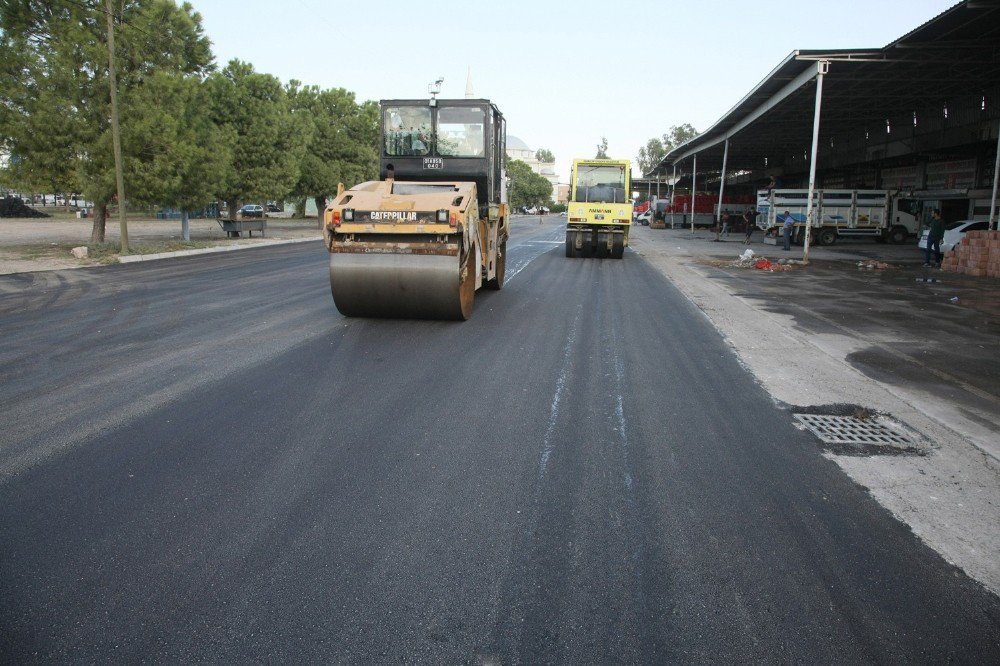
x=563, y=73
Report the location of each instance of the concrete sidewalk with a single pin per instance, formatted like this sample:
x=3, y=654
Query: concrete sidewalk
x=891, y=340
x=133, y=258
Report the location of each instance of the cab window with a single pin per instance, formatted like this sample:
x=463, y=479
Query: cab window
x=407, y=130
x=602, y=183
x=461, y=131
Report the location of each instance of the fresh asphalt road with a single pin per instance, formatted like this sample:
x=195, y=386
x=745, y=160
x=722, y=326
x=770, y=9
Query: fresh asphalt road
x=201, y=460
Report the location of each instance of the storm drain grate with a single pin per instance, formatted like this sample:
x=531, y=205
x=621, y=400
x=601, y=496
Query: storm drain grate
x=852, y=430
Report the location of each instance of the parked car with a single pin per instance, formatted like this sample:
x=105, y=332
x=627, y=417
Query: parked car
x=954, y=233
x=644, y=217
x=272, y=207
x=252, y=210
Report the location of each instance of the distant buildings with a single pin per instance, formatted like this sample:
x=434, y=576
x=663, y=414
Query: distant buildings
x=519, y=150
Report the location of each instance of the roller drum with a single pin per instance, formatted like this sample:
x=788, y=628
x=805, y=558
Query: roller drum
x=405, y=286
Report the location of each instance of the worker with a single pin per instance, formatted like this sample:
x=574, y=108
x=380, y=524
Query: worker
x=786, y=228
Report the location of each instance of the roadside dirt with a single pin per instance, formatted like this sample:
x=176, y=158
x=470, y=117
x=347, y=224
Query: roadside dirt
x=44, y=244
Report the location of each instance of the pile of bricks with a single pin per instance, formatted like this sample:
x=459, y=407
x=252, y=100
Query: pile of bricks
x=978, y=254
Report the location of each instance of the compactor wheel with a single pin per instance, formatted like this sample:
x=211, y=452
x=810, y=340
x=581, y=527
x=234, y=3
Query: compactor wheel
x=467, y=289
x=571, y=244
x=403, y=285
x=497, y=281
x=618, y=246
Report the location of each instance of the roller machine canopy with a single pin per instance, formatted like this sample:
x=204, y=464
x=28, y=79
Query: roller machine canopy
x=445, y=140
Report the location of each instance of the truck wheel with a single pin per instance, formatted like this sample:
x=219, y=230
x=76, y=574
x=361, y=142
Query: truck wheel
x=898, y=235
x=570, y=250
x=497, y=281
x=827, y=236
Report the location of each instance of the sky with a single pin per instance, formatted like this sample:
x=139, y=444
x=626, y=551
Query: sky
x=563, y=73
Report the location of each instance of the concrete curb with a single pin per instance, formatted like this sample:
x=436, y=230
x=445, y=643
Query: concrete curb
x=133, y=258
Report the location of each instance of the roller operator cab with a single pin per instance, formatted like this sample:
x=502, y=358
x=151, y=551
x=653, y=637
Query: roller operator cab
x=419, y=242
x=599, y=211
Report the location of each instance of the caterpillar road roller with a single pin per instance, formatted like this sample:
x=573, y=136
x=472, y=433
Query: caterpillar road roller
x=419, y=242
x=599, y=212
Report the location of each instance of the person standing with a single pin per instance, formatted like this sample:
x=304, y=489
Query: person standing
x=786, y=228
x=750, y=217
x=934, y=237
x=725, y=223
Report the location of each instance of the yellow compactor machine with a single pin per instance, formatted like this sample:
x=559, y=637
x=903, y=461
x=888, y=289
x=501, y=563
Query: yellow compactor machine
x=599, y=212
x=421, y=241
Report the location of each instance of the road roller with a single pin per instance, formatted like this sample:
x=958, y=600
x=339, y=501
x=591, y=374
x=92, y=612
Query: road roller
x=599, y=212
x=419, y=242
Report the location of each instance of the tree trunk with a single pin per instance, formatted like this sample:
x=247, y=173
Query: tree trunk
x=234, y=206
x=66, y=201
x=320, y=207
x=300, y=208
x=185, y=226
x=100, y=219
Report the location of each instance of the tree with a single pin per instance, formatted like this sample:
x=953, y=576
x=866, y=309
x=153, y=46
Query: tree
x=677, y=135
x=545, y=156
x=344, y=141
x=527, y=188
x=602, y=149
x=650, y=154
x=268, y=139
x=185, y=154
x=55, y=94
x=656, y=148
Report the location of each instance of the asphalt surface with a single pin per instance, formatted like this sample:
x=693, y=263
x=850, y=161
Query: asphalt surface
x=201, y=460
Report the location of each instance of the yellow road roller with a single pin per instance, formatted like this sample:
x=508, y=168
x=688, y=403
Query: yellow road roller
x=418, y=243
x=599, y=212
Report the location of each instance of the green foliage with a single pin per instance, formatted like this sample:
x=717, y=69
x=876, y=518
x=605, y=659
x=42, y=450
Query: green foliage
x=267, y=140
x=545, y=156
x=602, y=149
x=650, y=155
x=181, y=155
x=344, y=140
x=656, y=148
x=527, y=188
x=189, y=135
x=678, y=134
x=55, y=96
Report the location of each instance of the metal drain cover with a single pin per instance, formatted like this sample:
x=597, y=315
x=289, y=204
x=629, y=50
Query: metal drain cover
x=850, y=430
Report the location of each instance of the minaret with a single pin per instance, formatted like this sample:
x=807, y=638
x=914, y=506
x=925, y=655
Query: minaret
x=468, y=85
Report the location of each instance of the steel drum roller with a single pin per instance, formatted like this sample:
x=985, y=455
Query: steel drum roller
x=401, y=285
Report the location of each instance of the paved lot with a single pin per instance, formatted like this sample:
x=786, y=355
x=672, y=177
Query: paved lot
x=202, y=460
x=884, y=340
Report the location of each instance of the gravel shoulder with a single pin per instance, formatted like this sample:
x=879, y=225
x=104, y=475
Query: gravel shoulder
x=28, y=245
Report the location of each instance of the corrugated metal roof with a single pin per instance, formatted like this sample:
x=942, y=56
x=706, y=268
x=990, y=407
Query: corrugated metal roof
x=956, y=53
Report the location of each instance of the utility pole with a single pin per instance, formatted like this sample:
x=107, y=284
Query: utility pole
x=115, y=131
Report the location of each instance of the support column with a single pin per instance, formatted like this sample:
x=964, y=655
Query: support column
x=722, y=190
x=673, y=187
x=822, y=67
x=996, y=175
x=694, y=181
